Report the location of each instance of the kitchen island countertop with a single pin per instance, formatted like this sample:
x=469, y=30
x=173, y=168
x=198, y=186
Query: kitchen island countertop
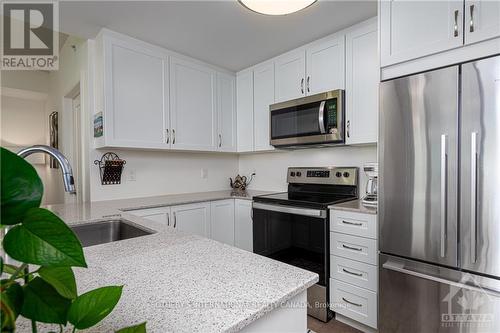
x=178, y=282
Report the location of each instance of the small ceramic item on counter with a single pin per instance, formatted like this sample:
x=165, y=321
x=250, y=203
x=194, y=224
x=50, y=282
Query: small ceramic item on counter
x=240, y=183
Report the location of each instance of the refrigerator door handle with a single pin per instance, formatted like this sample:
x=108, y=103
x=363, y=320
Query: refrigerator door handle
x=473, y=196
x=400, y=267
x=444, y=201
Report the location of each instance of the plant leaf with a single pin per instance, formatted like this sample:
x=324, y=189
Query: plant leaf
x=1, y=265
x=11, y=301
x=61, y=278
x=92, y=307
x=10, y=269
x=44, y=239
x=141, y=328
x=43, y=303
x=20, y=190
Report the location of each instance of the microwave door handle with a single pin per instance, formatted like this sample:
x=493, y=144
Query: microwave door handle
x=321, y=117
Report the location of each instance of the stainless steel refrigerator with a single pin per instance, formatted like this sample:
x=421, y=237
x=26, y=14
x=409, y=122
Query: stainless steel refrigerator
x=439, y=206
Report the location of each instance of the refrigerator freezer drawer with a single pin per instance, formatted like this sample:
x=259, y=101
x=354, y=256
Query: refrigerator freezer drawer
x=353, y=302
x=354, y=272
x=353, y=247
x=364, y=225
x=417, y=297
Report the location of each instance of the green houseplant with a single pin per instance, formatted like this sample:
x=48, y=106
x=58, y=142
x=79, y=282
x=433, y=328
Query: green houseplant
x=42, y=288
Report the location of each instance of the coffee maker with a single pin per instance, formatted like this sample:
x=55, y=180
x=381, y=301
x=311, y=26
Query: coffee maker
x=370, y=198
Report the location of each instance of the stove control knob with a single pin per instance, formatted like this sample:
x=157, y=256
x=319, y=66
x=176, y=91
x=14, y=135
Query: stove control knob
x=292, y=174
x=299, y=173
x=346, y=174
x=338, y=174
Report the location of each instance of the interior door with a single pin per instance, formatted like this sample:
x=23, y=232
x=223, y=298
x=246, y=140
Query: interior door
x=418, y=158
x=480, y=160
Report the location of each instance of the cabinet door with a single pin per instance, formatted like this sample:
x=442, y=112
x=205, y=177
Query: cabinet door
x=135, y=95
x=263, y=90
x=226, y=113
x=160, y=217
x=290, y=76
x=325, y=65
x=244, y=109
x=362, y=79
x=243, y=231
x=482, y=20
x=192, y=218
x=192, y=98
x=222, y=221
x=412, y=29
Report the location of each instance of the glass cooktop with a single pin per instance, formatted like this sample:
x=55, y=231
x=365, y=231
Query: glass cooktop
x=302, y=199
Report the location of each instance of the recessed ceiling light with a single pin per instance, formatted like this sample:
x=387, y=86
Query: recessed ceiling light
x=276, y=7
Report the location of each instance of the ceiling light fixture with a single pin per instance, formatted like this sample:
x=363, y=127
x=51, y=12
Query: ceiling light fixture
x=276, y=7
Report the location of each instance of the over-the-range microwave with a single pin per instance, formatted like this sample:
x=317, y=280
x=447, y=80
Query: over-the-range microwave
x=311, y=120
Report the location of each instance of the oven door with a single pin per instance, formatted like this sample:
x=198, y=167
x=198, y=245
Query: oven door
x=298, y=237
x=314, y=119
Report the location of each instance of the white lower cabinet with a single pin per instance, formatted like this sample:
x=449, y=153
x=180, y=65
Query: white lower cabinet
x=243, y=227
x=353, y=266
x=227, y=221
x=192, y=218
x=222, y=221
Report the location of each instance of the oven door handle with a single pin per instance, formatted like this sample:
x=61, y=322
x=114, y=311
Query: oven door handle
x=321, y=117
x=291, y=210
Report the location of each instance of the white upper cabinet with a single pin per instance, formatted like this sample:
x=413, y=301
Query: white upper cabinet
x=362, y=80
x=244, y=102
x=192, y=218
x=412, y=29
x=325, y=65
x=192, y=105
x=290, y=75
x=222, y=221
x=134, y=94
x=482, y=20
x=263, y=90
x=226, y=113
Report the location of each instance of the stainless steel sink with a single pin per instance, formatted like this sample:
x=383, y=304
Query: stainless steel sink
x=108, y=231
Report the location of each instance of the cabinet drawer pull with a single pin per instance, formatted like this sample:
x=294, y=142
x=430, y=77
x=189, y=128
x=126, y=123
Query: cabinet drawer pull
x=351, y=248
x=455, y=27
x=302, y=85
x=471, y=24
x=168, y=219
x=167, y=135
x=175, y=220
x=352, y=303
x=348, y=125
x=173, y=137
x=352, y=273
x=220, y=140
x=352, y=223
x=307, y=84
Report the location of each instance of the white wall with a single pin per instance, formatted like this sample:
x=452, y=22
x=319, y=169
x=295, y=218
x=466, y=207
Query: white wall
x=159, y=173
x=270, y=168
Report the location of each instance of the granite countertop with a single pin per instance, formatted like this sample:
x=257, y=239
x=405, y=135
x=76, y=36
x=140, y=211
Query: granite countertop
x=179, y=282
x=354, y=206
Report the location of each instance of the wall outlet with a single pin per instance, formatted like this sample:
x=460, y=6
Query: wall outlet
x=131, y=176
x=204, y=173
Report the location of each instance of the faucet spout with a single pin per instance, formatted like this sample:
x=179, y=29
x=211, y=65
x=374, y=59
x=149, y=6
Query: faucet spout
x=67, y=172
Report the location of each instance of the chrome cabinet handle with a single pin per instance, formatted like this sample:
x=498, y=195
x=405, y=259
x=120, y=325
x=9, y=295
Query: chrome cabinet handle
x=321, y=117
x=351, y=248
x=307, y=84
x=173, y=137
x=175, y=220
x=444, y=198
x=471, y=24
x=455, y=27
x=473, y=196
x=167, y=135
x=352, y=303
x=352, y=273
x=302, y=85
x=352, y=223
x=220, y=140
x=168, y=219
x=348, y=128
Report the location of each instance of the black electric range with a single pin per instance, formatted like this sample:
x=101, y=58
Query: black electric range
x=293, y=227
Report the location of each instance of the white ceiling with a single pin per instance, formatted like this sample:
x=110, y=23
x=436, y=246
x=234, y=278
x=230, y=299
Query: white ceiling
x=222, y=33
